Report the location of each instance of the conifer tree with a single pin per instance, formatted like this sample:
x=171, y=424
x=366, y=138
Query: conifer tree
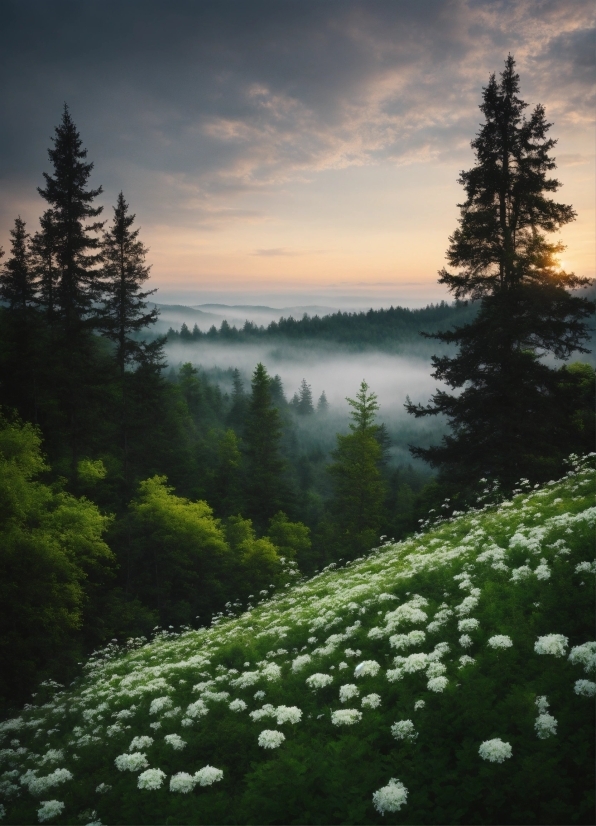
x=77, y=245
x=506, y=421
x=305, y=406
x=17, y=282
x=44, y=261
x=124, y=272
x=322, y=404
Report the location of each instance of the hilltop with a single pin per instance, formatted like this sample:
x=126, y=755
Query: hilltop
x=442, y=679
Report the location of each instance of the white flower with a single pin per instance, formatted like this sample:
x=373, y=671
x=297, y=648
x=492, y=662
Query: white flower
x=435, y=670
x=415, y=662
x=51, y=755
x=437, y=684
x=352, y=652
x=342, y=666
x=272, y=672
x=159, y=704
x=466, y=606
x=465, y=640
x=404, y=730
x=103, y=788
x=237, y=705
x=400, y=641
x=131, y=762
x=419, y=704
x=316, y=681
x=542, y=571
x=346, y=692
x=266, y=711
x=465, y=660
x=182, y=782
x=346, y=717
x=367, y=668
x=585, y=688
x=554, y=644
x=175, y=741
x=38, y=785
x=247, y=679
x=209, y=775
x=584, y=655
x=500, y=641
x=469, y=624
x=271, y=739
x=258, y=695
x=545, y=726
x=288, y=714
x=151, y=779
x=586, y=568
x=394, y=674
x=300, y=662
x=542, y=704
x=495, y=751
x=197, y=709
x=391, y=797
x=142, y=742
x=371, y=701
x=521, y=573
x=49, y=809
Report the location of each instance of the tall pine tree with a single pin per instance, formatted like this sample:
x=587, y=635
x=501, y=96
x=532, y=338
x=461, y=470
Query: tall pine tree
x=508, y=420
x=17, y=282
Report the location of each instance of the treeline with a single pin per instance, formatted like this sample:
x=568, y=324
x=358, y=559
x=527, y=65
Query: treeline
x=379, y=328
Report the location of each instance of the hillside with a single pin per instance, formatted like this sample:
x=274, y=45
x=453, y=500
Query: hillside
x=443, y=679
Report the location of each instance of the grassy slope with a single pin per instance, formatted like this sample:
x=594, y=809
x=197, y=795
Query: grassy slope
x=324, y=773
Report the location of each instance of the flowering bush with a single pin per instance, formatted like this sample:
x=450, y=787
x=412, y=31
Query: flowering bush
x=585, y=688
x=469, y=624
x=316, y=681
x=175, y=741
x=545, y=726
x=151, y=779
x=237, y=705
x=553, y=644
x=495, y=751
x=271, y=739
x=391, y=797
x=415, y=662
x=465, y=640
x=346, y=717
x=437, y=684
x=584, y=655
x=182, y=782
x=209, y=775
x=347, y=692
x=300, y=662
x=159, y=704
x=39, y=785
x=371, y=701
x=404, y=730
x=142, y=742
x=368, y=668
x=288, y=714
x=500, y=641
x=131, y=762
x=49, y=809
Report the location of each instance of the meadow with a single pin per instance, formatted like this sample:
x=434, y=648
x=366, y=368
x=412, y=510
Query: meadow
x=447, y=678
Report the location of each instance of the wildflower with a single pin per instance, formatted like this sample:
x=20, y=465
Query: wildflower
x=342, y=666
x=103, y=788
x=51, y=755
x=49, y=809
x=554, y=644
x=437, y=684
x=391, y=797
x=466, y=606
x=542, y=571
x=465, y=640
x=288, y=714
x=271, y=739
x=272, y=672
x=586, y=568
x=300, y=662
x=197, y=709
x=258, y=695
x=318, y=680
x=584, y=655
x=131, y=762
x=585, y=688
x=352, y=652
x=371, y=701
x=237, y=705
x=545, y=726
x=175, y=741
x=151, y=779
x=38, y=785
x=495, y=751
x=208, y=775
x=394, y=674
x=367, y=668
x=182, y=782
x=469, y=624
x=142, y=742
x=346, y=717
x=500, y=641
x=404, y=730
x=465, y=660
x=521, y=573
x=266, y=711
x=419, y=704
x=541, y=704
x=415, y=662
x=346, y=692
x=435, y=670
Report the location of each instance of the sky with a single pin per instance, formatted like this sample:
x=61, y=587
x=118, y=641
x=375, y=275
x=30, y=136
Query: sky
x=279, y=151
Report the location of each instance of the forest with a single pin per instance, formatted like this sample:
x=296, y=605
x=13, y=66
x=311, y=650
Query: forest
x=144, y=493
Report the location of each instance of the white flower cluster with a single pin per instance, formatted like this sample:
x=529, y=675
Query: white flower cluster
x=371, y=701
x=318, y=680
x=51, y=756
x=585, y=688
x=208, y=775
x=39, y=785
x=437, y=684
x=545, y=725
x=391, y=797
x=175, y=741
x=271, y=739
x=465, y=640
x=182, y=782
x=500, y=641
x=466, y=606
x=521, y=573
x=347, y=692
x=151, y=779
x=288, y=714
x=272, y=672
x=103, y=788
x=543, y=571
x=159, y=704
x=404, y=730
x=237, y=705
x=586, y=568
x=413, y=663
x=584, y=655
x=300, y=662
x=435, y=670
x=399, y=641
x=419, y=704
x=469, y=624
x=495, y=751
x=542, y=704
x=553, y=644
x=346, y=717
x=131, y=762
x=265, y=711
x=196, y=709
x=49, y=809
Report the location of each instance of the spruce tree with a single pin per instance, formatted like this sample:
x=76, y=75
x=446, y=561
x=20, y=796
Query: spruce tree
x=322, y=404
x=506, y=420
x=124, y=272
x=44, y=252
x=17, y=282
x=77, y=245
x=305, y=406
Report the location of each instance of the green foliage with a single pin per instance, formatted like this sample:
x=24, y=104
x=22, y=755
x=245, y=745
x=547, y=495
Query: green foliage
x=292, y=539
x=470, y=568
x=51, y=554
